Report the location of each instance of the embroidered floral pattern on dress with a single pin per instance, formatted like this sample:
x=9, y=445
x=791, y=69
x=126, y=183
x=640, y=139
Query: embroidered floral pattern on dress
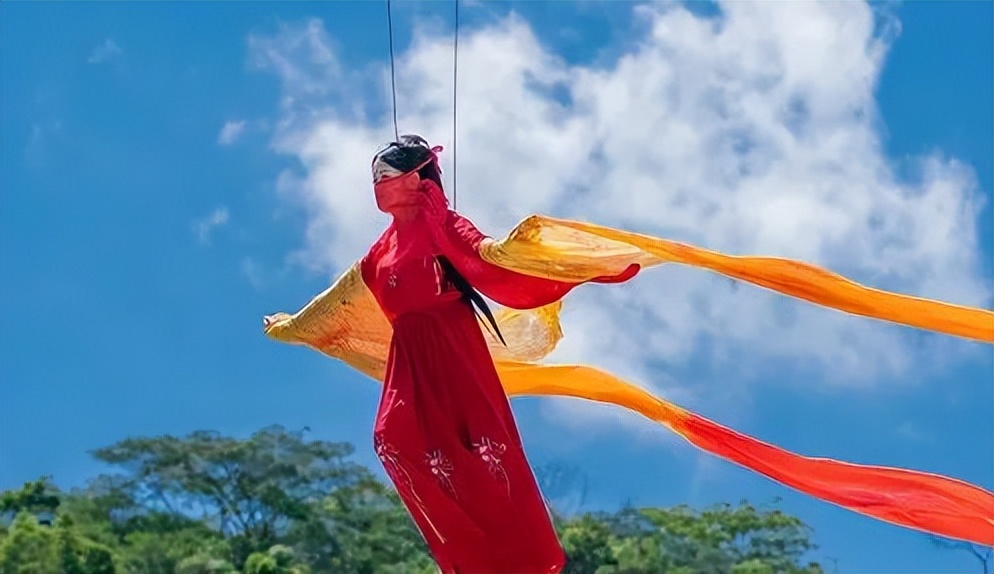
x=442, y=468
x=390, y=457
x=490, y=452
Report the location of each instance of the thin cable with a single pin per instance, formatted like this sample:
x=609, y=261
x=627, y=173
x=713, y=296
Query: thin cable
x=393, y=80
x=455, y=83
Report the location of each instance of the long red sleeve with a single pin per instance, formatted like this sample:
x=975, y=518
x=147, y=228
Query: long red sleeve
x=461, y=245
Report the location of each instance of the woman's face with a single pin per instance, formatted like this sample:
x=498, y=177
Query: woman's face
x=397, y=192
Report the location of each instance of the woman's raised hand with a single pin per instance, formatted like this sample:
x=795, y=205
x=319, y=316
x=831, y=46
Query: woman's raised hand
x=434, y=204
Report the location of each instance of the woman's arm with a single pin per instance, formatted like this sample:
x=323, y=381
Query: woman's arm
x=460, y=241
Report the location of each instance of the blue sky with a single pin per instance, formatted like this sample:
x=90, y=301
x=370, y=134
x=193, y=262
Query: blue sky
x=170, y=172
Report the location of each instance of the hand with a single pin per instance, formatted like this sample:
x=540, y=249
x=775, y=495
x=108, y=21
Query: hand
x=434, y=205
x=270, y=321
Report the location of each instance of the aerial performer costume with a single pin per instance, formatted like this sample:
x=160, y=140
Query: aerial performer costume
x=444, y=430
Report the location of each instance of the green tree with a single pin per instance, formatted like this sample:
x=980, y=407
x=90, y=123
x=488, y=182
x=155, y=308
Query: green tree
x=279, y=559
x=252, y=490
x=635, y=544
x=587, y=541
x=39, y=497
x=161, y=551
x=98, y=559
x=100, y=511
x=144, y=541
x=680, y=540
x=28, y=548
x=733, y=539
x=277, y=504
x=204, y=564
x=371, y=533
x=59, y=549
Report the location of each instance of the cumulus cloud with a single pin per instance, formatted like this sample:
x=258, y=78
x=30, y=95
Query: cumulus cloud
x=755, y=131
x=231, y=131
x=104, y=52
x=204, y=227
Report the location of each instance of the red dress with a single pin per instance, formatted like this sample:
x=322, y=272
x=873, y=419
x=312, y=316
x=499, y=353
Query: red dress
x=444, y=429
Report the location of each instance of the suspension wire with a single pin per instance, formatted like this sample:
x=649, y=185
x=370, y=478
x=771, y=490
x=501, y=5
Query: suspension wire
x=455, y=83
x=393, y=79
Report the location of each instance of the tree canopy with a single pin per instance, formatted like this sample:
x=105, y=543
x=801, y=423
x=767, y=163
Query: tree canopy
x=278, y=503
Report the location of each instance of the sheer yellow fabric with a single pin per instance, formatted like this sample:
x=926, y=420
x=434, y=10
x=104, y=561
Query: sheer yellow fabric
x=574, y=251
x=345, y=322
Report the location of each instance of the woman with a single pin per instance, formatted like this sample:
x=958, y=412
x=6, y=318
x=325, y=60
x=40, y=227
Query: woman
x=444, y=430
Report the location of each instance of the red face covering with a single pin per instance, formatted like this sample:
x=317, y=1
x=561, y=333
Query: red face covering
x=397, y=193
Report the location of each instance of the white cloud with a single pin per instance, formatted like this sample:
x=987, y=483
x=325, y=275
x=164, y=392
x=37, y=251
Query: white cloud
x=754, y=132
x=303, y=58
x=250, y=269
x=231, y=131
x=104, y=52
x=204, y=227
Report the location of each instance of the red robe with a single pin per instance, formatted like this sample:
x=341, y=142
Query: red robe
x=444, y=429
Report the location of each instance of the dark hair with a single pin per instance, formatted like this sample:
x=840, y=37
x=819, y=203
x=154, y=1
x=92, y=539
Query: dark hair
x=405, y=155
x=433, y=173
